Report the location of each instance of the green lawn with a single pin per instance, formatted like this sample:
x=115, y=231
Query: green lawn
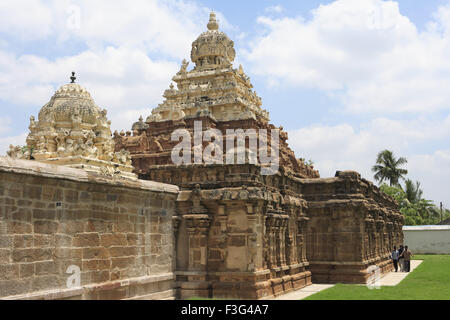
x=429, y=281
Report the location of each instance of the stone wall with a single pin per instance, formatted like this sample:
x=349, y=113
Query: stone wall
x=117, y=232
x=353, y=226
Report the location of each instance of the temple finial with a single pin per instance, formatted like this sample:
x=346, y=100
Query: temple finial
x=212, y=24
x=73, y=78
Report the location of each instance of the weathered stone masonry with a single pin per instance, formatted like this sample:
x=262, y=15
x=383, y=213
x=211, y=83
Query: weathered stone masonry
x=117, y=231
x=353, y=225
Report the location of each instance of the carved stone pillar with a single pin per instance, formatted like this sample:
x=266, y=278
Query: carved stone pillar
x=278, y=240
x=175, y=225
x=380, y=238
x=198, y=228
x=252, y=238
x=370, y=238
x=302, y=222
x=271, y=242
x=284, y=223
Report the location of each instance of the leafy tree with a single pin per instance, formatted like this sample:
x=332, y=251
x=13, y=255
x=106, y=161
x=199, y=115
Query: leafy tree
x=388, y=168
x=420, y=212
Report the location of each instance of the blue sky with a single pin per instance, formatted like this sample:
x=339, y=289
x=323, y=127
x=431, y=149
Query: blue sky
x=346, y=78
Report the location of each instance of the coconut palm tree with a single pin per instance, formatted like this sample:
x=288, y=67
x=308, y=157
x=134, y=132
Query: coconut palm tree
x=413, y=191
x=388, y=168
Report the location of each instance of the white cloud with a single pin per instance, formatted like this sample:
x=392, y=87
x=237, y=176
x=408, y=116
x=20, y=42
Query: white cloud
x=167, y=27
x=275, y=9
x=366, y=53
x=116, y=77
x=124, y=120
x=343, y=147
x=130, y=50
x=433, y=172
x=25, y=19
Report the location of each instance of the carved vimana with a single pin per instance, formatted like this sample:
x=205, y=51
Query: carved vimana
x=73, y=131
x=213, y=86
x=221, y=96
x=238, y=233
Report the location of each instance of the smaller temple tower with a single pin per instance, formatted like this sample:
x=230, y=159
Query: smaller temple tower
x=73, y=131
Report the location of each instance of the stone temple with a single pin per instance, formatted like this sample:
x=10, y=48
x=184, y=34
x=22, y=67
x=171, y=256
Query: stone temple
x=136, y=225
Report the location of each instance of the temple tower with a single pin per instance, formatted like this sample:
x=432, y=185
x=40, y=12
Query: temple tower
x=73, y=131
x=240, y=233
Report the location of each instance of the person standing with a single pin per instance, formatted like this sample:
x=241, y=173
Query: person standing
x=394, y=257
x=401, y=260
x=407, y=256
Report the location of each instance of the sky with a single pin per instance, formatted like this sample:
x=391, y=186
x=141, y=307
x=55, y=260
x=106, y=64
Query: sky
x=345, y=78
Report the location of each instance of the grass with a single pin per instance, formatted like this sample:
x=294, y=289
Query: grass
x=429, y=281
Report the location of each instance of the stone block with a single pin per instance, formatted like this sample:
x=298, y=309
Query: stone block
x=14, y=227
x=96, y=253
x=155, y=238
x=123, y=227
x=9, y=271
x=48, y=193
x=45, y=268
x=86, y=240
x=71, y=196
x=100, y=276
x=122, y=263
x=26, y=270
x=21, y=215
x=14, y=287
x=122, y=251
x=23, y=241
x=14, y=191
x=70, y=227
x=95, y=264
x=45, y=227
x=44, y=214
x=6, y=241
x=98, y=226
x=113, y=239
x=63, y=240
x=68, y=253
x=47, y=282
x=32, y=192
x=31, y=255
x=24, y=203
x=85, y=196
x=44, y=240
x=111, y=197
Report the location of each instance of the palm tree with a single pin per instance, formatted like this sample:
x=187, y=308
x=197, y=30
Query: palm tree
x=388, y=168
x=413, y=191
